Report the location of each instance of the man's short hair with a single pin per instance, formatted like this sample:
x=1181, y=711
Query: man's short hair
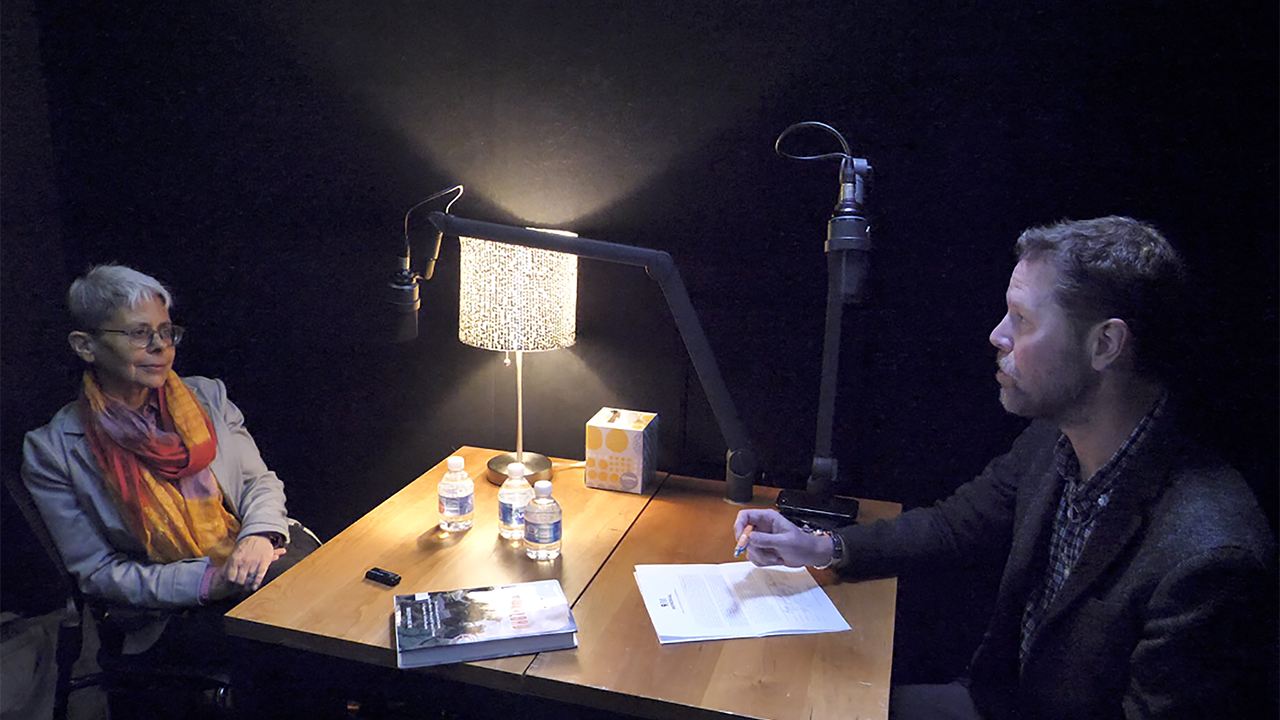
x=94, y=298
x=1115, y=267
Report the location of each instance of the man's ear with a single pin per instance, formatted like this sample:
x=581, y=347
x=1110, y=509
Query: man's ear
x=1109, y=343
x=81, y=344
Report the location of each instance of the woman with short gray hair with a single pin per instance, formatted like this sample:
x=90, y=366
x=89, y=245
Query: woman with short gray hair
x=152, y=488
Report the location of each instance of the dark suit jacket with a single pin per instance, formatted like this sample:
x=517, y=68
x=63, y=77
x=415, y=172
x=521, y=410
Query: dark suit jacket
x=1168, y=613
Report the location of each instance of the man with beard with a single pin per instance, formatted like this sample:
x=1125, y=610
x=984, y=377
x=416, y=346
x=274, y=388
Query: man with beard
x=1137, y=576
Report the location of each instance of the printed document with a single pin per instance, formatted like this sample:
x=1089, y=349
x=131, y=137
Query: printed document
x=734, y=600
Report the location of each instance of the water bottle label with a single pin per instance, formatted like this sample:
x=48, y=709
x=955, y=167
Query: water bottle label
x=542, y=533
x=457, y=507
x=509, y=515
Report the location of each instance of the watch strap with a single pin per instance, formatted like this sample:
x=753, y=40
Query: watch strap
x=837, y=550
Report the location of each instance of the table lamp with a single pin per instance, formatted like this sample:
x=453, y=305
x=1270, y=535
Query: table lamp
x=515, y=300
x=741, y=470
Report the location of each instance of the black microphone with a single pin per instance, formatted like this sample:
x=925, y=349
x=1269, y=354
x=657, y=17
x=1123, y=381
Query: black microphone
x=404, y=286
x=402, y=294
x=849, y=233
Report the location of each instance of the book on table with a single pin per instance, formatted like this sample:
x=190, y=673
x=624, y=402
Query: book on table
x=435, y=628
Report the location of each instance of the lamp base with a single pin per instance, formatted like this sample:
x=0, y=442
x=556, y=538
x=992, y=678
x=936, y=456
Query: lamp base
x=537, y=467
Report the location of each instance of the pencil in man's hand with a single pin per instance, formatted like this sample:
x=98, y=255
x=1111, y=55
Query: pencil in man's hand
x=742, y=540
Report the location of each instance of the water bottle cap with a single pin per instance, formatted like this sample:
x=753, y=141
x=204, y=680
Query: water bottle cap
x=515, y=470
x=455, y=463
x=542, y=488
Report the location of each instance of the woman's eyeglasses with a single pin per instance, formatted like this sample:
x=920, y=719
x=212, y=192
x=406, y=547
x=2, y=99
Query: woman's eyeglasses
x=140, y=337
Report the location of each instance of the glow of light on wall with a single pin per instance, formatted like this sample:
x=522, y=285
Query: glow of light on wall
x=554, y=111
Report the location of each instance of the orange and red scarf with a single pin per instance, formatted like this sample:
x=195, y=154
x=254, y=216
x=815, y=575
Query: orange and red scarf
x=160, y=476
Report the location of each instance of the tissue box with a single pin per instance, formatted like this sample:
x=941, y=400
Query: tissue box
x=622, y=449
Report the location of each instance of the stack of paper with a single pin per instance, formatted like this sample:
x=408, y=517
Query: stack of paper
x=734, y=600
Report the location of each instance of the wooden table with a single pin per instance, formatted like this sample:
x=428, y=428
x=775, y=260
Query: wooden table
x=828, y=675
x=324, y=605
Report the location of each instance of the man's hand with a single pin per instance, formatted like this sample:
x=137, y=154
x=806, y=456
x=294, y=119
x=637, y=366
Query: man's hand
x=248, y=563
x=777, y=541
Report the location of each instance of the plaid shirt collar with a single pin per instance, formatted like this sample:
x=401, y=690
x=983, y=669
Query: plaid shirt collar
x=1089, y=496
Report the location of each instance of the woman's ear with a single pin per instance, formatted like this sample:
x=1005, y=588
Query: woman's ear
x=81, y=345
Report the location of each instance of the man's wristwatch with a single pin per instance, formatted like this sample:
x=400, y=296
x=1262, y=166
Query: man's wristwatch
x=837, y=550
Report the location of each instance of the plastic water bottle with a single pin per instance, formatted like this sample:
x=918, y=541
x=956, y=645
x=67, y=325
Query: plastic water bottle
x=513, y=496
x=457, y=497
x=542, y=524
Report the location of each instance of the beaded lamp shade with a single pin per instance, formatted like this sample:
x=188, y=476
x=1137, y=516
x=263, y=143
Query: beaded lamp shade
x=516, y=298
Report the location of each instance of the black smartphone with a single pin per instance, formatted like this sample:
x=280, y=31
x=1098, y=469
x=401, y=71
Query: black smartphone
x=385, y=577
x=820, y=512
